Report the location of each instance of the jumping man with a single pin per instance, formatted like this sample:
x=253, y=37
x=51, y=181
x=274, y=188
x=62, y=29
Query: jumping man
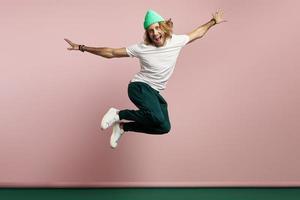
x=157, y=54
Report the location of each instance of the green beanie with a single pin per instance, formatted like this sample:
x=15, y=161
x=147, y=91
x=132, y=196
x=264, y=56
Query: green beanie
x=152, y=17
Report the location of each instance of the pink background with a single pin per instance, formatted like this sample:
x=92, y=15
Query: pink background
x=233, y=98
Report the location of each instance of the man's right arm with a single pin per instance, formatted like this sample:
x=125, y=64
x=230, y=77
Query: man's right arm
x=100, y=51
x=107, y=52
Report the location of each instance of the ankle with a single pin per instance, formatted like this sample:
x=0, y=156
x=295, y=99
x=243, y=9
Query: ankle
x=119, y=117
x=121, y=125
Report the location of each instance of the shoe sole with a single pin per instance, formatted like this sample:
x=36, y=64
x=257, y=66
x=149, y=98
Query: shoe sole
x=116, y=143
x=104, y=118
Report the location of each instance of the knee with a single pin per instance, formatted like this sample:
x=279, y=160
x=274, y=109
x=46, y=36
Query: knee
x=165, y=128
x=161, y=122
x=157, y=119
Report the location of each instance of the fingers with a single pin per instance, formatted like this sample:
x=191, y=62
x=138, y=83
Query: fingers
x=218, y=15
x=219, y=12
x=71, y=43
x=67, y=40
x=222, y=21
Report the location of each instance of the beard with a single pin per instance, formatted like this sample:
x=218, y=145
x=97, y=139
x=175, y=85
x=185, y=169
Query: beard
x=158, y=42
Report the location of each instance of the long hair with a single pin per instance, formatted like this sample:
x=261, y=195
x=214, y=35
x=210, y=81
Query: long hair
x=165, y=26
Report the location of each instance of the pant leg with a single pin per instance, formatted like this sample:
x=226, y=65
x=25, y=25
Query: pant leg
x=136, y=127
x=145, y=98
x=162, y=129
x=152, y=116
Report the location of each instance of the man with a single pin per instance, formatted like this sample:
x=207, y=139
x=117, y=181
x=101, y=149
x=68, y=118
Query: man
x=157, y=54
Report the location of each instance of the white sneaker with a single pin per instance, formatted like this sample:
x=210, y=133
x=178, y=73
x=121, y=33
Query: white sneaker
x=116, y=135
x=109, y=118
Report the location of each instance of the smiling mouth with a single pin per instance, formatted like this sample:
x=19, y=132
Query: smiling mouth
x=158, y=39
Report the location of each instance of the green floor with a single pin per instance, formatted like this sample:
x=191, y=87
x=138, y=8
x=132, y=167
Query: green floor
x=151, y=193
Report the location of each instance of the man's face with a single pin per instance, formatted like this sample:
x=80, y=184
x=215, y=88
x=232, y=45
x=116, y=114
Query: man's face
x=156, y=35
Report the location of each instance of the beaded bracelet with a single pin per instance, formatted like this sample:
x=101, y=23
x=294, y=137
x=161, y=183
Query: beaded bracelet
x=81, y=48
x=213, y=19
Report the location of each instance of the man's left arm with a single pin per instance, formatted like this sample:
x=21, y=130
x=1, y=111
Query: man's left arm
x=201, y=30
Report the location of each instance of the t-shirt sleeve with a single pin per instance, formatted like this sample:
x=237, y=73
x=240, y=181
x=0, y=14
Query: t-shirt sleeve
x=182, y=39
x=186, y=39
x=132, y=50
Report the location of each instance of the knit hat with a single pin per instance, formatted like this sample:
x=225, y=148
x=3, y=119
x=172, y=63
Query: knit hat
x=152, y=17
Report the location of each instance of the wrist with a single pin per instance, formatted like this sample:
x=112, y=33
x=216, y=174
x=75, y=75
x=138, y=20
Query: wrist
x=214, y=21
x=82, y=48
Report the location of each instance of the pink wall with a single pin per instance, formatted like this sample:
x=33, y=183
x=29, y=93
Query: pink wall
x=233, y=98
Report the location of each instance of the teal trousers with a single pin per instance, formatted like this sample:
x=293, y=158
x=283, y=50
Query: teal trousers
x=152, y=116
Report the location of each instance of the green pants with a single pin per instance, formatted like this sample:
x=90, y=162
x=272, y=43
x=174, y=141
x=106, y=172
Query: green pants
x=152, y=116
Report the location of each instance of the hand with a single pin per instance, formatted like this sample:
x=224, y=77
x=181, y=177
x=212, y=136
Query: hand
x=218, y=16
x=73, y=45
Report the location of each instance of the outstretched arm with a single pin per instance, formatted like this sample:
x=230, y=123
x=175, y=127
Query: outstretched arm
x=105, y=52
x=201, y=30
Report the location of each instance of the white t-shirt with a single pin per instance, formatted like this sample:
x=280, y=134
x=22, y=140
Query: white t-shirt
x=157, y=63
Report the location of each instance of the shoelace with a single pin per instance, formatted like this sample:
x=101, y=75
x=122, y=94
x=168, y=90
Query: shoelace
x=111, y=122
